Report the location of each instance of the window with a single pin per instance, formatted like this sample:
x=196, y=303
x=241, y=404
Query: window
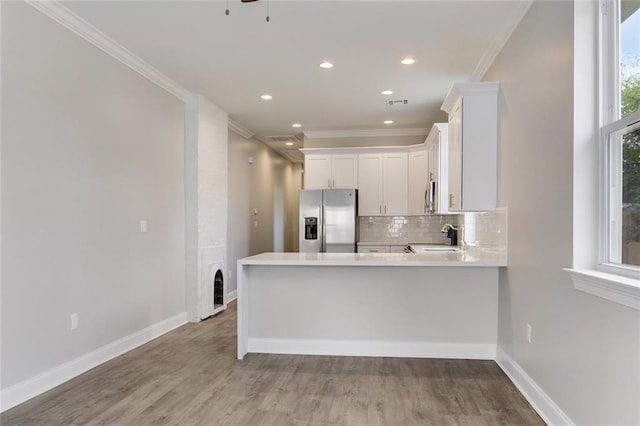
x=620, y=137
x=607, y=112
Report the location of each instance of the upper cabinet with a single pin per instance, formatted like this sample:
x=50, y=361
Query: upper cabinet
x=473, y=146
x=383, y=184
x=438, y=166
x=419, y=182
x=330, y=171
x=428, y=173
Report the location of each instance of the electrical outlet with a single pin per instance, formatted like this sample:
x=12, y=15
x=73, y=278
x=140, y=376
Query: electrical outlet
x=229, y=274
x=528, y=332
x=143, y=225
x=74, y=321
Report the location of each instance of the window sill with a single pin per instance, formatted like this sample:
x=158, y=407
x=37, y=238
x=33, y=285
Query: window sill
x=618, y=289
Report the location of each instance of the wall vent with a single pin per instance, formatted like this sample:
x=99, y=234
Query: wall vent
x=397, y=102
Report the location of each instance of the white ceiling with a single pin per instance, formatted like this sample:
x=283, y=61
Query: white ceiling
x=234, y=59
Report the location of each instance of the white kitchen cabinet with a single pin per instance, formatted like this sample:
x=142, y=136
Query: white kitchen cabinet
x=366, y=248
x=344, y=171
x=370, y=184
x=428, y=173
x=395, y=183
x=438, y=166
x=330, y=171
x=418, y=181
x=377, y=248
x=382, y=179
x=473, y=146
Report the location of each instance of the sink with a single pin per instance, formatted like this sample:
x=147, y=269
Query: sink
x=431, y=248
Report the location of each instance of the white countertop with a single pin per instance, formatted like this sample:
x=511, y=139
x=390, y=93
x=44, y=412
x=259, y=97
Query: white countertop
x=465, y=258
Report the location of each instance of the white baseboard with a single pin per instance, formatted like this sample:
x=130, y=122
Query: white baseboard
x=539, y=400
x=231, y=296
x=23, y=391
x=373, y=348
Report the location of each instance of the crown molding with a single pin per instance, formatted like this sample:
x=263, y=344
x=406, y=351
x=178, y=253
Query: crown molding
x=498, y=42
x=459, y=90
x=331, y=134
x=65, y=17
x=240, y=129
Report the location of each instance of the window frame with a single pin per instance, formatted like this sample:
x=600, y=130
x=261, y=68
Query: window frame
x=591, y=114
x=611, y=202
x=611, y=126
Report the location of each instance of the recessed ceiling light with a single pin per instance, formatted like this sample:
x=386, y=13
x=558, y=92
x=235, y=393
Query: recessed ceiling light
x=266, y=97
x=288, y=143
x=326, y=65
x=408, y=61
x=388, y=121
x=387, y=92
x=296, y=125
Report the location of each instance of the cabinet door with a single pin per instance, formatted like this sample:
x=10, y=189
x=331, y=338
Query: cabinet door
x=418, y=180
x=455, y=157
x=373, y=249
x=440, y=171
x=317, y=171
x=369, y=184
x=395, y=184
x=344, y=171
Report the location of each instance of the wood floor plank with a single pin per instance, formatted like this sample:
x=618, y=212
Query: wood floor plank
x=190, y=377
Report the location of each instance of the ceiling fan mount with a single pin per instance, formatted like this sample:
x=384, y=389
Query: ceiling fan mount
x=228, y=12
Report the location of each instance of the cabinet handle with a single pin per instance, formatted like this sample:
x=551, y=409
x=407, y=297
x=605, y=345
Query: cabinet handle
x=333, y=183
x=450, y=201
x=385, y=209
x=380, y=208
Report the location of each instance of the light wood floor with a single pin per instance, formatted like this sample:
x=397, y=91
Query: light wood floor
x=190, y=377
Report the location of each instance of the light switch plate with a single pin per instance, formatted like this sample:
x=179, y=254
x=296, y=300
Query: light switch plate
x=143, y=226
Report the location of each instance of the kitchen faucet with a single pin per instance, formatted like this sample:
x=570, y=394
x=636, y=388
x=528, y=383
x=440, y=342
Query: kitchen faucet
x=452, y=233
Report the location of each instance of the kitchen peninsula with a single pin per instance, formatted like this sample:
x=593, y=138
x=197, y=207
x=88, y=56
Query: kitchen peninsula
x=441, y=304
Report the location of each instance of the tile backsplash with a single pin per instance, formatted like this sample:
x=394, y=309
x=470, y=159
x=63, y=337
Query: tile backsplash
x=405, y=229
x=482, y=229
x=486, y=229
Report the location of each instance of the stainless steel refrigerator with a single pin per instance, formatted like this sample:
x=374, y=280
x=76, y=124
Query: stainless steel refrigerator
x=328, y=220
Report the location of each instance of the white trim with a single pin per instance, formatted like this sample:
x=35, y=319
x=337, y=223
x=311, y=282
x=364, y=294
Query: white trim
x=615, y=288
x=485, y=351
x=240, y=129
x=611, y=183
x=459, y=90
x=65, y=17
x=608, y=57
x=538, y=398
x=498, y=43
x=27, y=389
x=231, y=296
x=331, y=134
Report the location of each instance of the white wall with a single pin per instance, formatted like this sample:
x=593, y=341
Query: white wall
x=89, y=148
x=585, y=351
x=270, y=185
x=212, y=192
